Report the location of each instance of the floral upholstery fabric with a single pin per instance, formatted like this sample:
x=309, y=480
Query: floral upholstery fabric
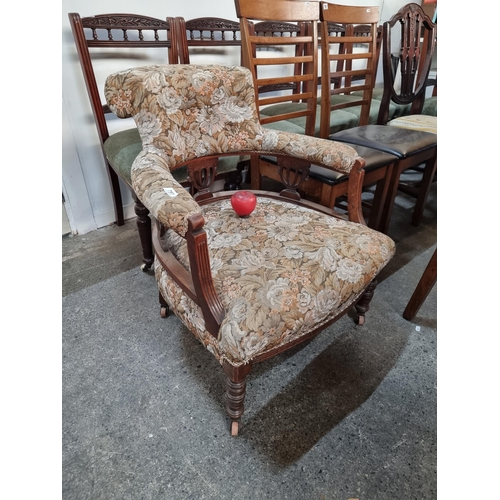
x=283, y=272
x=184, y=112
x=425, y=123
x=280, y=274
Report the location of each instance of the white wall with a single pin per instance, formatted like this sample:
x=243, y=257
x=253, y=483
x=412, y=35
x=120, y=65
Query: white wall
x=86, y=188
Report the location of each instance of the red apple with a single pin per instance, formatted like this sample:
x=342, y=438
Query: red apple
x=243, y=203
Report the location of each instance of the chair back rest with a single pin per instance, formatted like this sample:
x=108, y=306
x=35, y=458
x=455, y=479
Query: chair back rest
x=108, y=42
x=349, y=59
x=408, y=44
x=207, y=40
x=335, y=29
x=281, y=29
x=185, y=112
x=282, y=56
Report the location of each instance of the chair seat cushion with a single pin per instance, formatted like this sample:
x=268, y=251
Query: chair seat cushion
x=398, y=141
x=374, y=159
x=339, y=119
x=122, y=148
x=416, y=122
x=430, y=106
x=281, y=274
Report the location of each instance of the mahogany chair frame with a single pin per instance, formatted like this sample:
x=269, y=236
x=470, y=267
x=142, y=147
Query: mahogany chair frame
x=198, y=284
x=120, y=31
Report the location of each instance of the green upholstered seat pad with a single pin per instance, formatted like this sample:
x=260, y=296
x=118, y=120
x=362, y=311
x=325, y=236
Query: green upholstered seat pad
x=123, y=147
x=121, y=150
x=285, y=126
x=339, y=119
x=280, y=274
x=395, y=110
x=430, y=106
x=356, y=110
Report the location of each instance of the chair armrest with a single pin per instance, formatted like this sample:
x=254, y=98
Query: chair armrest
x=333, y=155
x=160, y=193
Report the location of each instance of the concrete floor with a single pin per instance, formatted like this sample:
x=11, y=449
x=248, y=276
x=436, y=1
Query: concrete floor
x=349, y=415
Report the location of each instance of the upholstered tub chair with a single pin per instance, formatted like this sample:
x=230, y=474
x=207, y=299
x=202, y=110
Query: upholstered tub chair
x=247, y=288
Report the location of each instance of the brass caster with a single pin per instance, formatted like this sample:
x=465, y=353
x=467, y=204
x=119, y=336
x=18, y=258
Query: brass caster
x=164, y=312
x=360, y=321
x=144, y=268
x=234, y=428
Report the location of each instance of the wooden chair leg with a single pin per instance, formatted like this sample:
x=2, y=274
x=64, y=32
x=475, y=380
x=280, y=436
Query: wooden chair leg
x=164, y=307
x=145, y=234
x=117, y=195
x=388, y=206
x=424, y=286
x=235, y=392
x=255, y=180
x=427, y=179
x=379, y=199
x=363, y=304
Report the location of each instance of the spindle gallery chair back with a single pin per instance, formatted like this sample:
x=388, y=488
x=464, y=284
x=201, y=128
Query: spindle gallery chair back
x=413, y=139
x=213, y=40
x=247, y=288
x=295, y=105
x=111, y=38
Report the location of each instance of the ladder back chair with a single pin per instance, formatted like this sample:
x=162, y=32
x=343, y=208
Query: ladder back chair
x=274, y=61
x=247, y=288
x=349, y=41
x=114, y=39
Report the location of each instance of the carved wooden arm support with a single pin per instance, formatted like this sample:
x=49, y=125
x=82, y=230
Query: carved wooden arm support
x=199, y=261
x=197, y=284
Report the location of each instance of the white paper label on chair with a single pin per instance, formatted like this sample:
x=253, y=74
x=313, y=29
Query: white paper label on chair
x=171, y=192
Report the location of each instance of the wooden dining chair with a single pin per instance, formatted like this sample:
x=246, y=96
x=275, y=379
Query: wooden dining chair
x=413, y=138
x=272, y=53
x=102, y=42
x=349, y=43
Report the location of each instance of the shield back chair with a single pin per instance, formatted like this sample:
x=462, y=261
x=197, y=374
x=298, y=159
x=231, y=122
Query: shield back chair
x=103, y=42
x=273, y=53
x=413, y=138
x=214, y=40
x=247, y=287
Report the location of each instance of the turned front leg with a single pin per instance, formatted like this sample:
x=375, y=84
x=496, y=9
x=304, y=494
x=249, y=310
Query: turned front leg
x=235, y=392
x=144, y=227
x=363, y=304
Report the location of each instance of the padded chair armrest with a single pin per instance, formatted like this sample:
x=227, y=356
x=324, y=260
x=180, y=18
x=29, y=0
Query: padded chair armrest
x=333, y=155
x=160, y=193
